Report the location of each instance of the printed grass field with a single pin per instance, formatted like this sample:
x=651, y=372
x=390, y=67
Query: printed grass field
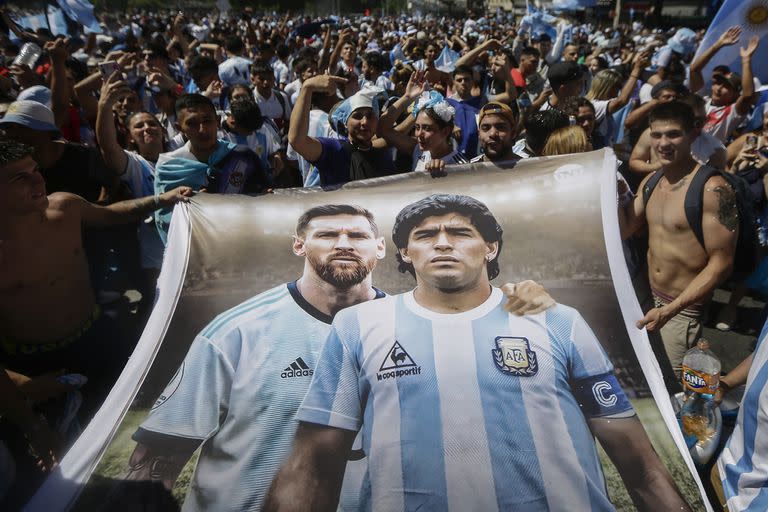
x=114, y=464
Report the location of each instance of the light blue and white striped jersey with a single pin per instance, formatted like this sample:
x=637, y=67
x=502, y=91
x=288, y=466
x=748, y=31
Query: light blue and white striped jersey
x=481, y=410
x=237, y=393
x=743, y=464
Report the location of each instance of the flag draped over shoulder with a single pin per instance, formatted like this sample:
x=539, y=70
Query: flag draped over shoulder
x=752, y=17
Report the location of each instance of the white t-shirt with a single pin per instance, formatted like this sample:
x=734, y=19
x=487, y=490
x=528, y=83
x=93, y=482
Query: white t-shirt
x=272, y=108
x=292, y=88
x=721, y=121
x=281, y=72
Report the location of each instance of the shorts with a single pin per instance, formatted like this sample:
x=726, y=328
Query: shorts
x=96, y=350
x=681, y=332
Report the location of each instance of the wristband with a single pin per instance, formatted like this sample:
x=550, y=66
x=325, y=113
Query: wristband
x=157, y=200
x=177, y=91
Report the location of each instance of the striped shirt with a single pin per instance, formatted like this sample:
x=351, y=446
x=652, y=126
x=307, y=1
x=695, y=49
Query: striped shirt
x=743, y=464
x=421, y=158
x=237, y=393
x=480, y=410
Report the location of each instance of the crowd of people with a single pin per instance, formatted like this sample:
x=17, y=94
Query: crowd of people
x=102, y=134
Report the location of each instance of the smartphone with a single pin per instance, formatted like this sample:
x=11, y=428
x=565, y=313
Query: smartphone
x=107, y=68
x=751, y=142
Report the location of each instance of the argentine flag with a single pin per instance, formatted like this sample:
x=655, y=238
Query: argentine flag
x=752, y=17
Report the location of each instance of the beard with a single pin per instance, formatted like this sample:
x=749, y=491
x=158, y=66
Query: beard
x=342, y=275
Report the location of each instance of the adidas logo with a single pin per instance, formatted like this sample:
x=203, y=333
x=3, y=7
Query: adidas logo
x=298, y=368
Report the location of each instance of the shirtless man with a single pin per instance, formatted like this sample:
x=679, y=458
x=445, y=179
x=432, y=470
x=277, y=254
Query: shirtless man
x=682, y=273
x=440, y=80
x=49, y=316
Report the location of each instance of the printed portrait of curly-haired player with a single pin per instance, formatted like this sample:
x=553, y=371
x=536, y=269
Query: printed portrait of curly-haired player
x=462, y=405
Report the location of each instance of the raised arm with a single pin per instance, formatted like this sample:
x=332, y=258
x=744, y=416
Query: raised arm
x=510, y=91
x=638, y=64
x=387, y=129
x=344, y=37
x=746, y=98
x=123, y=212
x=639, y=113
x=311, y=477
x=471, y=56
x=720, y=225
x=57, y=51
x=309, y=147
x=106, y=135
x=729, y=37
x=24, y=35
x=558, y=45
x=648, y=482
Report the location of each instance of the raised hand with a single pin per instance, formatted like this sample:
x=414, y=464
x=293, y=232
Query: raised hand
x=747, y=52
x=57, y=50
x=112, y=88
x=417, y=84
x=324, y=83
x=731, y=36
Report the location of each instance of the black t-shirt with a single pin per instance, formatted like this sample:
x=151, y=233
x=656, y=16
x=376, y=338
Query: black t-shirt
x=81, y=170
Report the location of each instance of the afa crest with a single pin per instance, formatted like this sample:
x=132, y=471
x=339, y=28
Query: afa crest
x=514, y=356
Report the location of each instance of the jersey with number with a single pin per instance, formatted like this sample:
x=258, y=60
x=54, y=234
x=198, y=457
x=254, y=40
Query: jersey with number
x=481, y=410
x=743, y=465
x=237, y=393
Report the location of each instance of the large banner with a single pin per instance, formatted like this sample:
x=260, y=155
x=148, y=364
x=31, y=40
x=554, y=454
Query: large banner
x=475, y=411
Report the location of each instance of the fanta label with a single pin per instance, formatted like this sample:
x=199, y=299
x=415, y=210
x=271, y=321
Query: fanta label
x=700, y=382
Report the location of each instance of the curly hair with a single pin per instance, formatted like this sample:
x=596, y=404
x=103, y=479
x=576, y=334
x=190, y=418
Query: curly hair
x=440, y=204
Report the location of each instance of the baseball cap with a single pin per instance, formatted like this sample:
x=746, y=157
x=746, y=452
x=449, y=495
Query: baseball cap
x=31, y=114
x=563, y=72
x=499, y=109
x=732, y=80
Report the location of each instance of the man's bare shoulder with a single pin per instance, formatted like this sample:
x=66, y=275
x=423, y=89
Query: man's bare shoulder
x=64, y=198
x=720, y=199
x=64, y=202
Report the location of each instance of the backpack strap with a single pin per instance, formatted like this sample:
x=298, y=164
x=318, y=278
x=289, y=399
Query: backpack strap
x=280, y=99
x=694, y=200
x=650, y=185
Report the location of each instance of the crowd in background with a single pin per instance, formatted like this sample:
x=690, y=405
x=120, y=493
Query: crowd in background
x=128, y=118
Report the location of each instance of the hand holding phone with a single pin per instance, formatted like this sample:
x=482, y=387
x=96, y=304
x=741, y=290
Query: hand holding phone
x=108, y=67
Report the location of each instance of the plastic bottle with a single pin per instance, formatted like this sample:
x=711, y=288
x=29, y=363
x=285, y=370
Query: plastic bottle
x=28, y=55
x=701, y=377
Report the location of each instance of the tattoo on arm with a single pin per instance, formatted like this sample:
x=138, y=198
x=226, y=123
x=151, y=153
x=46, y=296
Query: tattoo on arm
x=727, y=210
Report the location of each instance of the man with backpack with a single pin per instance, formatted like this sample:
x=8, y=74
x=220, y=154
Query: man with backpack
x=272, y=102
x=693, y=218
